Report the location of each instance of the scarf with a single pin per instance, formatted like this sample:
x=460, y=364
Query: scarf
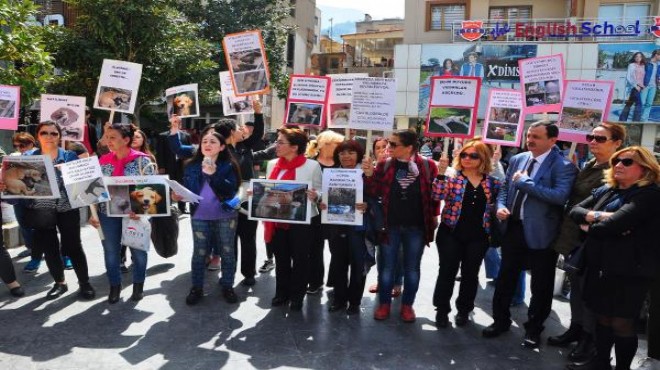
x=290, y=174
x=407, y=179
x=118, y=164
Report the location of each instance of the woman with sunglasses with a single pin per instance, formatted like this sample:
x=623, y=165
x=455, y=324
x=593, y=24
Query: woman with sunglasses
x=121, y=161
x=404, y=184
x=621, y=223
x=603, y=141
x=462, y=238
x=68, y=220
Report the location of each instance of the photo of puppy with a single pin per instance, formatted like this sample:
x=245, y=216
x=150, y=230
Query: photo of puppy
x=182, y=101
x=64, y=116
x=21, y=180
x=183, y=104
x=144, y=201
x=304, y=113
x=121, y=201
x=114, y=98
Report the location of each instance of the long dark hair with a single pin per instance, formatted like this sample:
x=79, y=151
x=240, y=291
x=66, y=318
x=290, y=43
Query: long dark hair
x=224, y=156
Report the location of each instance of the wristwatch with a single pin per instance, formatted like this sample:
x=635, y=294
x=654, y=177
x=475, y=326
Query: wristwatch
x=597, y=215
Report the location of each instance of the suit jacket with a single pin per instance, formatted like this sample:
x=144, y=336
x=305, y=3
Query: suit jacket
x=547, y=194
x=478, y=70
x=167, y=159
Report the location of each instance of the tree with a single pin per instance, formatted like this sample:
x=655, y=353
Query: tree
x=222, y=17
x=150, y=32
x=23, y=60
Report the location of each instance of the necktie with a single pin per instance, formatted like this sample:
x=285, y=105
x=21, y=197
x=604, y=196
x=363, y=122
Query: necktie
x=518, y=199
x=472, y=70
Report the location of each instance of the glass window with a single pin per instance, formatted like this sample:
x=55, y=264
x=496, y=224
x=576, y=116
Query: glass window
x=510, y=13
x=442, y=16
x=621, y=11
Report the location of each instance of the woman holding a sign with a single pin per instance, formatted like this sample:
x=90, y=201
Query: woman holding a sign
x=214, y=175
x=121, y=161
x=462, y=237
x=404, y=184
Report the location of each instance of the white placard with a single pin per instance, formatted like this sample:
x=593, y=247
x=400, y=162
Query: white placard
x=29, y=177
x=83, y=181
x=283, y=201
x=542, y=83
x=118, y=86
x=307, y=100
x=453, y=106
x=10, y=103
x=182, y=191
x=183, y=101
x=144, y=195
x=342, y=189
x=374, y=101
x=68, y=112
x=247, y=61
x=341, y=96
x=504, y=118
x=584, y=105
x=231, y=104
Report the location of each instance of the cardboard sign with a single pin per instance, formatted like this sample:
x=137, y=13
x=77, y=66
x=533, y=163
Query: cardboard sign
x=183, y=101
x=68, y=112
x=248, y=65
x=453, y=106
x=584, y=107
x=504, y=118
x=342, y=190
x=147, y=196
x=307, y=101
x=283, y=201
x=374, y=103
x=83, y=181
x=118, y=86
x=341, y=98
x=231, y=104
x=10, y=104
x=542, y=83
x=29, y=177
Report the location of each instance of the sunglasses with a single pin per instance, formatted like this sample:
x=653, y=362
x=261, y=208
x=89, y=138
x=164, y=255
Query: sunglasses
x=471, y=155
x=20, y=146
x=626, y=162
x=599, y=139
x=51, y=133
x=393, y=144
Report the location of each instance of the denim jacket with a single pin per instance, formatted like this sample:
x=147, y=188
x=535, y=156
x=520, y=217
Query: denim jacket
x=223, y=182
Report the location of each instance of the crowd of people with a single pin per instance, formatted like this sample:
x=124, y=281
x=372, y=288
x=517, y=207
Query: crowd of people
x=600, y=217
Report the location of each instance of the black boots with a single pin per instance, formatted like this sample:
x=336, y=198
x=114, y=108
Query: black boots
x=571, y=335
x=113, y=297
x=585, y=349
x=138, y=292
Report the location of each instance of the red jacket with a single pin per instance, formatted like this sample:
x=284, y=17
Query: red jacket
x=380, y=184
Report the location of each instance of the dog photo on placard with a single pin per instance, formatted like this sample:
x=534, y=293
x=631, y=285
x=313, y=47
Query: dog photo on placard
x=183, y=104
x=7, y=108
x=250, y=81
x=148, y=199
x=121, y=200
x=114, y=98
x=87, y=192
x=22, y=179
x=247, y=60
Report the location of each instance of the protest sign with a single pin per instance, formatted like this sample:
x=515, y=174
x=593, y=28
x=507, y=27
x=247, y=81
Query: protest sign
x=453, y=106
x=248, y=65
x=307, y=101
x=342, y=190
x=341, y=97
x=504, y=119
x=68, y=112
x=584, y=105
x=374, y=102
x=183, y=101
x=118, y=86
x=10, y=104
x=283, y=201
x=144, y=195
x=83, y=181
x=29, y=177
x=542, y=83
x=231, y=104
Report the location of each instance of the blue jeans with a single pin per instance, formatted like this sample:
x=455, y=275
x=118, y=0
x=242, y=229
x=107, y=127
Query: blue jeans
x=214, y=235
x=112, y=229
x=411, y=240
x=647, y=97
x=398, y=273
x=492, y=263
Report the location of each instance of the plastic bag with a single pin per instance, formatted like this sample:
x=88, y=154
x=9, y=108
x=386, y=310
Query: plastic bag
x=135, y=233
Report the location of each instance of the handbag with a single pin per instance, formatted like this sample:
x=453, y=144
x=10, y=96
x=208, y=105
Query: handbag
x=575, y=262
x=165, y=233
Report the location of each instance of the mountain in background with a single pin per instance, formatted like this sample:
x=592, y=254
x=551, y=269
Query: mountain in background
x=343, y=21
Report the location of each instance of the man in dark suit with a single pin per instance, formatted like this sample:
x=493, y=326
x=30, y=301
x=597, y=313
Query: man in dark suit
x=168, y=162
x=530, y=207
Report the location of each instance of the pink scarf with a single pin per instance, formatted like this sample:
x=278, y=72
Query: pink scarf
x=119, y=164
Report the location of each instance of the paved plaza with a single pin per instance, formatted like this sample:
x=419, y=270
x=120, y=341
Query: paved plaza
x=162, y=332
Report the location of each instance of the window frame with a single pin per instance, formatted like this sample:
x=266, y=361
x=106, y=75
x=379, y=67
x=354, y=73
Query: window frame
x=433, y=3
x=507, y=7
x=625, y=5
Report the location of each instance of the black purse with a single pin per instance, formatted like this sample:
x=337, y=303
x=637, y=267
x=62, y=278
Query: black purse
x=575, y=262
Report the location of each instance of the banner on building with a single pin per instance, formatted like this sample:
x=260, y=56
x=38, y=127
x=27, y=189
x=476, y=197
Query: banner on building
x=542, y=83
x=504, y=122
x=10, y=104
x=584, y=105
x=307, y=100
x=68, y=112
x=118, y=86
x=374, y=103
x=453, y=106
x=247, y=61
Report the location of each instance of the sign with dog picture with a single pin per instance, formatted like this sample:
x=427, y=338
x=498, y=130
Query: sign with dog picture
x=29, y=177
x=118, y=86
x=341, y=97
x=68, y=112
x=83, y=181
x=142, y=195
x=342, y=191
x=283, y=201
x=183, y=101
x=453, y=106
x=307, y=101
x=504, y=118
x=373, y=104
x=10, y=103
x=585, y=105
x=542, y=83
x=248, y=65
x=231, y=104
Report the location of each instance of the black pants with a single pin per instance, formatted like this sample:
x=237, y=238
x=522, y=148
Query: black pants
x=247, y=231
x=452, y=252
x=68, y=224
x=292, y=251
x=348, y=253
x=7, y=272
x=316, y=264
x=517, y=256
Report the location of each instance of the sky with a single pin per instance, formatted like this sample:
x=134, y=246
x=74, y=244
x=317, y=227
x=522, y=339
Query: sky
x=378, y=9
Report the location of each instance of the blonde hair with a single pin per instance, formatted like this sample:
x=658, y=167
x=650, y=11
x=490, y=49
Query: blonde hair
x=485, y=155
x=642, y=157
x=324, y=138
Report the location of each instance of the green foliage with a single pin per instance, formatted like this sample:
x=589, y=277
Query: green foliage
x=23, y=61
x=222, y=17
x=150, y=32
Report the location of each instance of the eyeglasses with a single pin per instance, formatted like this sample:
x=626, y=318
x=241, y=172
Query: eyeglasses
x=471, y=155
x=626, y=162
x=279, y=142
x=393, y=144
x=20, y=146
x=51, y=133
x=599, y=139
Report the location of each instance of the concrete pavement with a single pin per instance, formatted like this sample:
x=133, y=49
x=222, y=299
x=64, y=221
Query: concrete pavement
x=161, y=332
